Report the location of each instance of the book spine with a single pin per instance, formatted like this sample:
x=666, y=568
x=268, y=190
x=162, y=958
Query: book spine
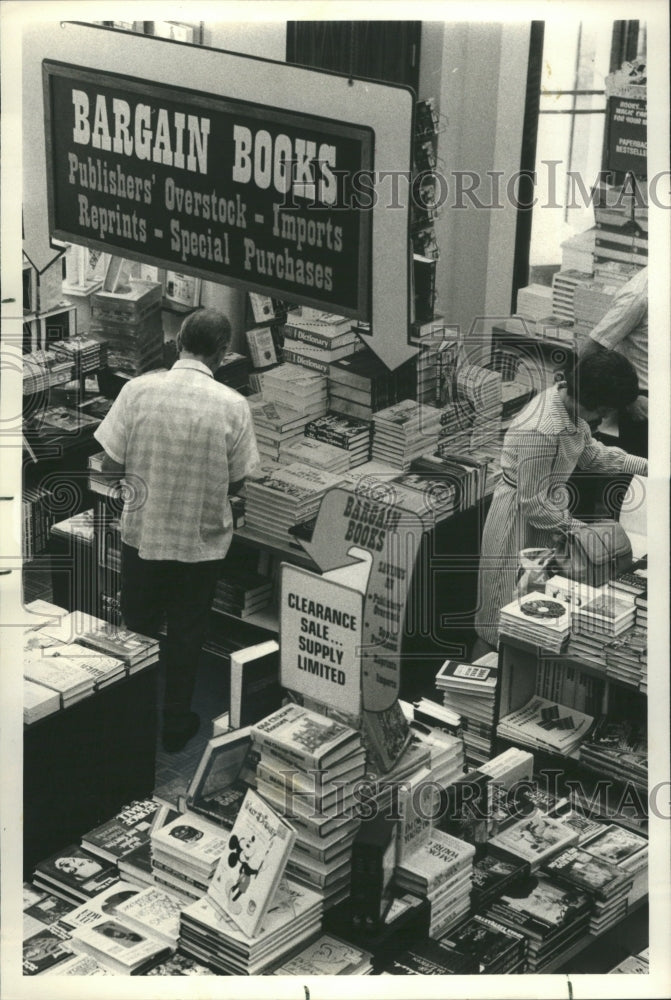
x=326, y=436
x=304, y=761
x=314, y=364
x=312, y=337
x=367, y=881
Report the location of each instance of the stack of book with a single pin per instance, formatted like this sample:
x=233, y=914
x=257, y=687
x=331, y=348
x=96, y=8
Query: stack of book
x=434, y=365
x=447, y=753
x=641, y=604
x=467, y=473
x=350, y=435
x=74, y=875
x=185, y=853
x=43, y=369
x=38, y=517
x=404, y=431
x=130, y=322
x=625, y=849
x=318, y=454
x=38, y=701
x=317, y=339
x=626, y=244
x=456, y=420
x=618, y=749
x=542, y=724
x=361, y=385
x=102, y=669
x=607, y=886
x=279, y=500
x=606, y=615
x=538, y=620
x=564, y=284
x=275, y=426
x=551, y=916
x=307, y=767
x=440, y=869
x=327, y=956
x=63, y=675
x=85, y=353
x=492, y=875
x=234, y=371
x=627, y=658
x=123, y=833
x=591, y=303
x=480, y=388
x=534, y=301
x=470, y=691
x=578, y=252
x=242, y=593
x=207, y=935
x=297, y=388
x=535, y=838
x=494, y=948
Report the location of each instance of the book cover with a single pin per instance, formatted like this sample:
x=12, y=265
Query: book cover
x=43, y=951
x=79, y=871
x=534, y=839
x=124, y=832
x=485, y=941
x=261, y=347
x=219, y=782
x=303, y=737
x=437, y=859
x=48, y=909
x=126, y=951
x=549, y=906
x=153, y=911
x=105, y=904
x=255, y=683
x=79, y=965
x=387, y=734
x=192, y=839
x=252, y=865
x=584, y=871
x=328, y=956
x=616, y=845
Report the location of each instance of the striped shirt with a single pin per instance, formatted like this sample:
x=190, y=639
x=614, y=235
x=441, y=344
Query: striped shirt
x=182, y=438
x=624, y=328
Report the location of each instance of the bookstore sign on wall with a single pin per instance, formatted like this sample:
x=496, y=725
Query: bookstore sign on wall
x=223, y=189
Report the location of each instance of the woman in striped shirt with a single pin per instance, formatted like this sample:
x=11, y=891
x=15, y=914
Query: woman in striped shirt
x=545, y=443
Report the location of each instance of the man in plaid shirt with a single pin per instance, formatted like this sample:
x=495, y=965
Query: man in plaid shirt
x=184, y=443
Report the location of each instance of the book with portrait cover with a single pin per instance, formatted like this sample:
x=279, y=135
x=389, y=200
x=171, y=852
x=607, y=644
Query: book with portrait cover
x=75, y=873
x=43, y=951
x=252, y=865
x=534, y=839
x=305, y=738
x=105, y=904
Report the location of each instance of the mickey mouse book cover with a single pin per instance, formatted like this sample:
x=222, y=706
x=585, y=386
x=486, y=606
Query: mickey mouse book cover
x=250, y=869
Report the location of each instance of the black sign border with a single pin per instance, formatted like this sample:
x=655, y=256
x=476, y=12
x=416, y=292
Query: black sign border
x=363, y=133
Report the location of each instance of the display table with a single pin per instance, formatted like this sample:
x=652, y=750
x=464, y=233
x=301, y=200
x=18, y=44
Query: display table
x=80, y=765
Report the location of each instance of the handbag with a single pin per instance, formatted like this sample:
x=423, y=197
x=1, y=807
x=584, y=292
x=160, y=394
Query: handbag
x=595, y=553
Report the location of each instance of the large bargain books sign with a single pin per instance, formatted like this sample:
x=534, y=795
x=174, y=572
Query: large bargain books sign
x=224, y=189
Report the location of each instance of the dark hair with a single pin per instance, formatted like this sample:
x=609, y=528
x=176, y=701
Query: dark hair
x=603, y=379
x=205, y=332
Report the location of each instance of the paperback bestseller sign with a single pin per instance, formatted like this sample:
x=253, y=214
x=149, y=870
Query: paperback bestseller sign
x=320, y=639
x=225, y=189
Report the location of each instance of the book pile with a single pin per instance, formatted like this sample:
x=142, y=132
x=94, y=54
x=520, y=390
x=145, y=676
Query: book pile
x=404, y=431
x=307, y=767
x=535, y=838
x=627, y=658
x=43, y=369
x=85, y=353
x=241, y=593
x=38, y=517
x=542, y=724
x=45, y=951
x=470, y=691
x=626, y=244
x=327, y=956
x=437, y=498
x=480, y=389
x=618, y=749
x=607, y=886
x=564, y=284
x=538, y=620
x=440, y=869
x=494, y=948
x=102, y=669
x=592, y=301
x=467, y=473
x=361, y=385
x=578, y=252
x=281, y=499
x=491, y=876
x=317, y=340
x=115, y=943
x=123, y=833
x=346, y=433
x=135, y=650
x=634, y=581
x=207, y=935
x=434, y=365
x=534, y=302
x=38, y=701
x=641, y=604
x=315, y=453
x=447, y=753
x=621, y=847
x=233, y=371
x=74, y=875
x=456, y=420
x=297, y=388
x=607, y=614
x=275, y=426
x=130, y=322
x=551, y=916
x=185, y=853
x=64, y=675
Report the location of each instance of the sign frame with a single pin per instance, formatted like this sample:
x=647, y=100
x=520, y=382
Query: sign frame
x=361, y=266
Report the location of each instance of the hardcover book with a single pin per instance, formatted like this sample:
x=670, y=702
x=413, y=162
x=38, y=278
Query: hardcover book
x=223, y=776
x=386, y=734
x=43, y=951
x=124, y=950
x=153, y=911
x=255, y=683
x=252, y=865
x=305, y=738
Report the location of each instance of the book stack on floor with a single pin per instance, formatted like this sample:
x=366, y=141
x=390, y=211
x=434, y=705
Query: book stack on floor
x=470, y=691
x=275, y=426
x=538, y=620
x=551, y=916
x=440, y=870
x=403, y=432
x=544, y=725
x=564, y=284
x=280, y=499
x=74, y=874
x=127, y=831
x=185, y=854
x=618, y=749
x=297, y=388
x=240, y=591
x=361, y=385
x=308, y=764
x=447, y=753
x=130, y=321
x=318, y=454
x=316, y=339
x=346, y=433
x=627, y=658
x=327, y=956
x=606, y=885
x=234, y=371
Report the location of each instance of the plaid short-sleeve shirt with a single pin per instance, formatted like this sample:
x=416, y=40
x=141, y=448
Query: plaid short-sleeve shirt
x=182, y=438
